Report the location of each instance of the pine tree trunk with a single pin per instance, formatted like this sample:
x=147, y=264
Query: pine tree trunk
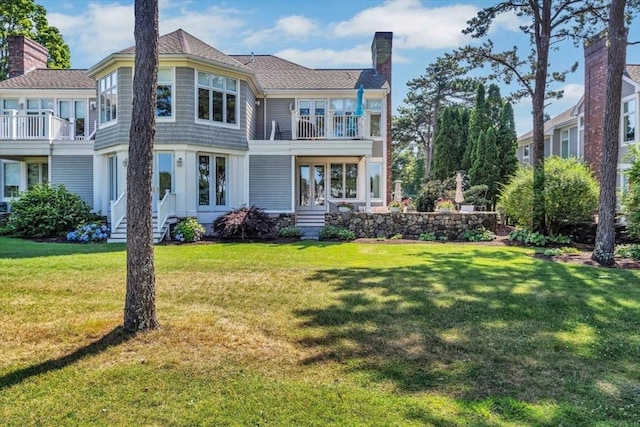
x=139, y=309
x=616, y=58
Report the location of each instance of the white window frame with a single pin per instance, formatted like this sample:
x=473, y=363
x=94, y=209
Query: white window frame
x=372, y=167
x=526, y=151
x=344, y=180
x=42, y=179
x=171, y=82
x=565, y=138
x=213, y=182
x=225, y=92
x=632, y=113
x=5, y=166
x=374, y=107
x=5, y=102
x=108, y=88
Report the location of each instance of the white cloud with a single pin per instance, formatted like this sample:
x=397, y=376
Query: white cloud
x=289, y=27
x=358, y=56
x=413, y=25
x=572, y=93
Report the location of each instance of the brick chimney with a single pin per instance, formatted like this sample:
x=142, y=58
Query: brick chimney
x=595, y=89
x=381, y=58
x=25, y=55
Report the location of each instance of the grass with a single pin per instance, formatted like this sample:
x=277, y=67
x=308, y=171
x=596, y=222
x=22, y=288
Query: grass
x=318, y=334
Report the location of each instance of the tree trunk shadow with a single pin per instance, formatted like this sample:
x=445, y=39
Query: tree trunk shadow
x=113, y=338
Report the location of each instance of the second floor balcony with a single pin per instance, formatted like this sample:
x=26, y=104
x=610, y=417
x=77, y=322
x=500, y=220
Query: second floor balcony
x=41, y=127
x=328, y=126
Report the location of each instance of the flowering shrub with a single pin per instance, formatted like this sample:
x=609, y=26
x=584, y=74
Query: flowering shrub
x=345, y=204
x=89, y=233
x=444, y=203
x=188, y=230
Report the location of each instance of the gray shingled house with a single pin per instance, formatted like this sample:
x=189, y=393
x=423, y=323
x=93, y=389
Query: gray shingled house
x=231, y=130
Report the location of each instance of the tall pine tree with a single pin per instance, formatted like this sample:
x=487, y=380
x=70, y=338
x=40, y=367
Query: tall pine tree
x=447, y=154
x=478, y=122
x=507, y=143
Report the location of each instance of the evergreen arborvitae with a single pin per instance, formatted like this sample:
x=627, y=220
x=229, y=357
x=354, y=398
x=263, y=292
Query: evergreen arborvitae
x=485, y=169
x=446, y=149
x=494, y=105
x=507, y=143
x=478, y=122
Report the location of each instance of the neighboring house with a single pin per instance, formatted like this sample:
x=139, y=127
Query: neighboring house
x=577, y=132
x=231, y=130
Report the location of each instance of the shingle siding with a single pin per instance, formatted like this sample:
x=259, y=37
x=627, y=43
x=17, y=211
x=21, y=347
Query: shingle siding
x=270, y=182
x=76, y=173
x=119, y=132
x=627, y=89
x=278, y=110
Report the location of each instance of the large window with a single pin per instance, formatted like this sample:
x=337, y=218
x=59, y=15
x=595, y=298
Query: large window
x=11, y=175
x=37, y=173
x=212, y=181
x=9, y=104
x=164, y=93
x=344, y=180
x=108, y=97
x=629, y=121
x=374, y=109
x=217, y=98
x=564, y=144
x=375, y=180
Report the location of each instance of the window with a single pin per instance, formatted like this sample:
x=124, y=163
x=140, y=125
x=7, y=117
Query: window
x=39, y=106
x=108, y=97
x=75, y=110
x=344, y=180
x=164, y=93
x=11, y=179
x=525, y=152
x=629, y=121
x=212, y=189
x=217, y=98
x=375, y=179
x=564, y=144
x=374, y=108
x=37, y=173
x=9, y=104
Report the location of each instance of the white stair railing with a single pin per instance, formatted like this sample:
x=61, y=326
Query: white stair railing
x=118, y=211
x=166, y=208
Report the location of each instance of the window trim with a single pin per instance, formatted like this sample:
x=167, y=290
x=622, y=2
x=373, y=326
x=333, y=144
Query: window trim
x=212, y=206
x=113, y=89
x=623, y=115
x=225, y=92
x=526, y=151
x=381, y=182
x=568, y=141
x=172, y=117
x=344, y=180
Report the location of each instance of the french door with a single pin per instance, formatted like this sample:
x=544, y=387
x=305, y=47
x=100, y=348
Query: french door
x=163, y=176
x=311, y=187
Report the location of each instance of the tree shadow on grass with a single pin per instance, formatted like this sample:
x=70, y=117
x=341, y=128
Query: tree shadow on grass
x=113, y=338
x=14, y=248
x=499, y=328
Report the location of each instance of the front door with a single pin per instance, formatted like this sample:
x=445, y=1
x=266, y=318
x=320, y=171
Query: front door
x=311, y=187
x=162, y=176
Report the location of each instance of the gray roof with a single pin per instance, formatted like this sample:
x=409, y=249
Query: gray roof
x=182, y=43
x=43, y=78
x=560, y=119
x=277, y=73
x=633, y=71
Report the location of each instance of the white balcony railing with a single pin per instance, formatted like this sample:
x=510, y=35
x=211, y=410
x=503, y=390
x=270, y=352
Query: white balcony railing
x=327, y=126
x=35, y=127
x=166, y=208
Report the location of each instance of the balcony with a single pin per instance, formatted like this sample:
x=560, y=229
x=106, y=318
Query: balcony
x=47, y=127
x=329, y=126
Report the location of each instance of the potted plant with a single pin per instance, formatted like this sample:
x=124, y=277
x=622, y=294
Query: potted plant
x=445, y=205
x=395, y=206
x=345, y=207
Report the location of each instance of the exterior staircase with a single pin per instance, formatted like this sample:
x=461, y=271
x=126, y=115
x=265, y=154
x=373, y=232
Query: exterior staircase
x=119, y=235
x=310, y=223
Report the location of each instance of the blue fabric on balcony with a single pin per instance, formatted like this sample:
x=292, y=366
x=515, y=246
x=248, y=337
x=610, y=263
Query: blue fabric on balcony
x=359, y=102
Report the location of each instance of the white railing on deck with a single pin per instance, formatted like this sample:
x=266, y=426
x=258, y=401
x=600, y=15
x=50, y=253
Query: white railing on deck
x=118, y=210
x=35, y=127
x=166, y=208
x=327, y=126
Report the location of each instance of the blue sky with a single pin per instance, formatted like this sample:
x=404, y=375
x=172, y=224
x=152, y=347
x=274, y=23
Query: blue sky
x=318, y=34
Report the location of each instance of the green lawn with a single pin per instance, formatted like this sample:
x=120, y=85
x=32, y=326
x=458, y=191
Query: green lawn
x=318, y=334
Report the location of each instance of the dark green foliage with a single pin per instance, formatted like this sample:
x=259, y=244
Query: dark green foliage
x=570, y=194
x=332, y=232
x=408, y=165
x=290, y=232
x=245, y=223
x=507, y=143
x=47, y=211
x=429, y=236
x=527, y=237
x=628, y=251
x=477, y=195
x=485, y=169
x=631, y=200
x=449, y=145
x=431, y=191
x=478, y=122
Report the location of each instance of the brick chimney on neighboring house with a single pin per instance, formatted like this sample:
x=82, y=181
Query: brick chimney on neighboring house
x=381, y=56
x=595, y=90
x=25, y=55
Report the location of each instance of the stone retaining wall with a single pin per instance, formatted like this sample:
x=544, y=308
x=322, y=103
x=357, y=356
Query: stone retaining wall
x=412, y=224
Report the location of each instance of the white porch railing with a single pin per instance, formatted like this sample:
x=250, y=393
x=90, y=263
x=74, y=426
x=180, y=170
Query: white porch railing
x=327, y=126
x=118, y=210
x=166, y=208
x=16, y=126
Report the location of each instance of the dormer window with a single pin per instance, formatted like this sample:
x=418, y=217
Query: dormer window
x=217, y=98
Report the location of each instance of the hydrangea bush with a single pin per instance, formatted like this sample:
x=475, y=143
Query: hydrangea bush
x=188, y=230
x=89, y=233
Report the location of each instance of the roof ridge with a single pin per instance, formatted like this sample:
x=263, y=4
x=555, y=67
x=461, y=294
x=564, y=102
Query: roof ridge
x=182, y=38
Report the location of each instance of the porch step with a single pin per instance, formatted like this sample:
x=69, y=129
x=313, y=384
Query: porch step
x=310, y=233
x=310, y=219
x=119, y=235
